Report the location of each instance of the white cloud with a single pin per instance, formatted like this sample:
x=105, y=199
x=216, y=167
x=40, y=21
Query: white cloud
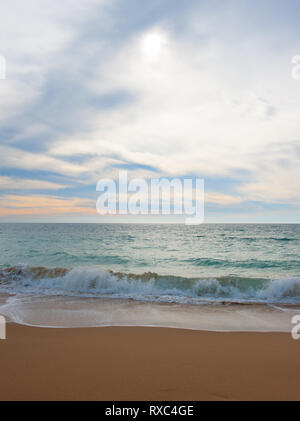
x=222, y=199
x=194, y=112
x=13, y=183
x=201, y=102
x=12, y=157
x=33, y=36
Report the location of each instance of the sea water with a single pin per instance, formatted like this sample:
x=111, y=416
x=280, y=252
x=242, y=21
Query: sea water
x=209, y=276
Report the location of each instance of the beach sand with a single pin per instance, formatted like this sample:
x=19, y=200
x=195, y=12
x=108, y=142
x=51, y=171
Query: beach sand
x=144, y=363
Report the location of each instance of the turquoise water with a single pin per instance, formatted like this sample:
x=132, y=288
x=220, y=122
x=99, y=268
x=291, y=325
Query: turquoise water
x=219, y=262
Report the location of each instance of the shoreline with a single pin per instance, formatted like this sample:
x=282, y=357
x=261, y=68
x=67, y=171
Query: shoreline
x=83, y=312
x=147, y=363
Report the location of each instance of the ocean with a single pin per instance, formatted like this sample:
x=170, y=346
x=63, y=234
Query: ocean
x=209, y=276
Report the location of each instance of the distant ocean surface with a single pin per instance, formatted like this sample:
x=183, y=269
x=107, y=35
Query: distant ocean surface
x=152, y=263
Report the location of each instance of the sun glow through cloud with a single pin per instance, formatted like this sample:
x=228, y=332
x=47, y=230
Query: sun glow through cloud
x=152, y=45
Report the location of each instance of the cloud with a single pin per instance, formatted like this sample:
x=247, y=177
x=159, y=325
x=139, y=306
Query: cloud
x=222, y=199
x=37, y=205
x=188, y=117
x=277, y=180
x=193, y=89
x=16, y=158
x=10, y=183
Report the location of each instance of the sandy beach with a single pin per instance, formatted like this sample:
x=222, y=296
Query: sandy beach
x=137, y=363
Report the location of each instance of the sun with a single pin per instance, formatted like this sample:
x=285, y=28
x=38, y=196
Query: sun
x=152, y=45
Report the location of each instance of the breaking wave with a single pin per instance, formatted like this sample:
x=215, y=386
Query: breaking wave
x=86, y=282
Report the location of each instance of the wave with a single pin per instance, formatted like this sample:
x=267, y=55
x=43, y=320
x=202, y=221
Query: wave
x=148, y=286
x=282, y=239
x=258, y=239
x=247, y=264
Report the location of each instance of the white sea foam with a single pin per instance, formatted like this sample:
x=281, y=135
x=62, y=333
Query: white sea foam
x=89, y=282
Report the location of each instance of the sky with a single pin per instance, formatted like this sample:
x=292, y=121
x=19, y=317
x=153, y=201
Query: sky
x=166, y=88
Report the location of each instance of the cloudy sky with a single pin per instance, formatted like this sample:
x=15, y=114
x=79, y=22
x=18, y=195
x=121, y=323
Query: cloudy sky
x=165, y=88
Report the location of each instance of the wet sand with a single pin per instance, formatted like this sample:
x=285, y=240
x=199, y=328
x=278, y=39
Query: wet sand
x=144, y=363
